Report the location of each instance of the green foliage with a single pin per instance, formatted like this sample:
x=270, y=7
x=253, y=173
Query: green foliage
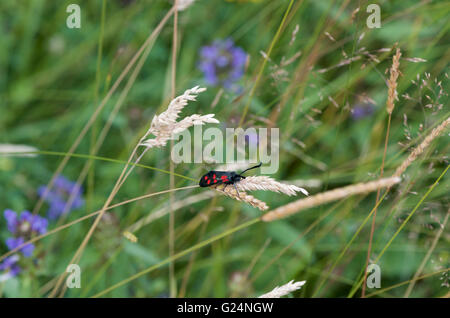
x=51, y=82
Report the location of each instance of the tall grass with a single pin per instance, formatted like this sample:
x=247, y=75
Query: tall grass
x=84, y=98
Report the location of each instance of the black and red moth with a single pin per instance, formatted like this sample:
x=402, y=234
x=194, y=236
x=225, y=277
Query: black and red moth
x=223, y=177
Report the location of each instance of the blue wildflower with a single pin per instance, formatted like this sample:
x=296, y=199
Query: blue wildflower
x=58, y=196
x=22, y=228
x=222, y=63
x=14, y=242
x=9, y=267
x=362, y=110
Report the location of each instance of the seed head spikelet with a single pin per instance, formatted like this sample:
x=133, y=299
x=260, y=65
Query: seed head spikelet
x=392, y=82
x=165, y=125
x=268, y=184
x=252, y=183
x=328, y=196
x=280, y=291
x=436, y=132
x=243, y=196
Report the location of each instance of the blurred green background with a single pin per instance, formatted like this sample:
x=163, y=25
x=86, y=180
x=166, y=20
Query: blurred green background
x=52, y=79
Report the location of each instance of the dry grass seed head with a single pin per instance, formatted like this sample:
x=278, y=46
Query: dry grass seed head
x=165, y=125
x=328, y=196
x=420, y=148
x=268, y=184
x=242, y=196
x=392, y=82
x=280, y=291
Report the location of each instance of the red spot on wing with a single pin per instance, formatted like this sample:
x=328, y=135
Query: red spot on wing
x=209, y=181
x=206, y=178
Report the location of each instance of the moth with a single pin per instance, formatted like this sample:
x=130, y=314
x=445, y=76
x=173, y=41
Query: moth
x=224, y=177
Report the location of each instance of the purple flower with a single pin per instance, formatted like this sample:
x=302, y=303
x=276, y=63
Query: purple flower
x=58, y=197
x=13, y=243
x=26, y=224
x=22, y=228
x=10, y=267
x=361, y=111
x=222, y=63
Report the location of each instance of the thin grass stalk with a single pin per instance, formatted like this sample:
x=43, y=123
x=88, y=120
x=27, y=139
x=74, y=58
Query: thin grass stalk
x=386, y=221
x=105, y=129
x=165, y=210
x=163, y=126
x=91, y=175
x=328, y=196
x=436, y=132
x=94, y=116
x=287, y=247
x=76, y=258
x=417, y=151
x=179, y=255
x=253, y=263
x=372, y=228
x=188, y=271
x=172, y=279
x=97, y=220
x=81, y=248
x=427, y=257
x=347, y=246
x=261, y=69
x=67, y=225
x=409, y=281
x=392, y=96
x=93, y=282
x=86, y=156
x=404, y=222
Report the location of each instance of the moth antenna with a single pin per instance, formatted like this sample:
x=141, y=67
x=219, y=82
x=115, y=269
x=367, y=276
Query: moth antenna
x=257, y=166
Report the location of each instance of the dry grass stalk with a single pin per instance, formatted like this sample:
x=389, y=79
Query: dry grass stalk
x=280, y=291
x=253, y=183
x=162, y=127
x=165, y=210
x=392, y=82
x=328, y=196
x=98, y=110
x=165, y=125
x=392, y=97
x=242, y=196
x=419, y=149
x=268, y=184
